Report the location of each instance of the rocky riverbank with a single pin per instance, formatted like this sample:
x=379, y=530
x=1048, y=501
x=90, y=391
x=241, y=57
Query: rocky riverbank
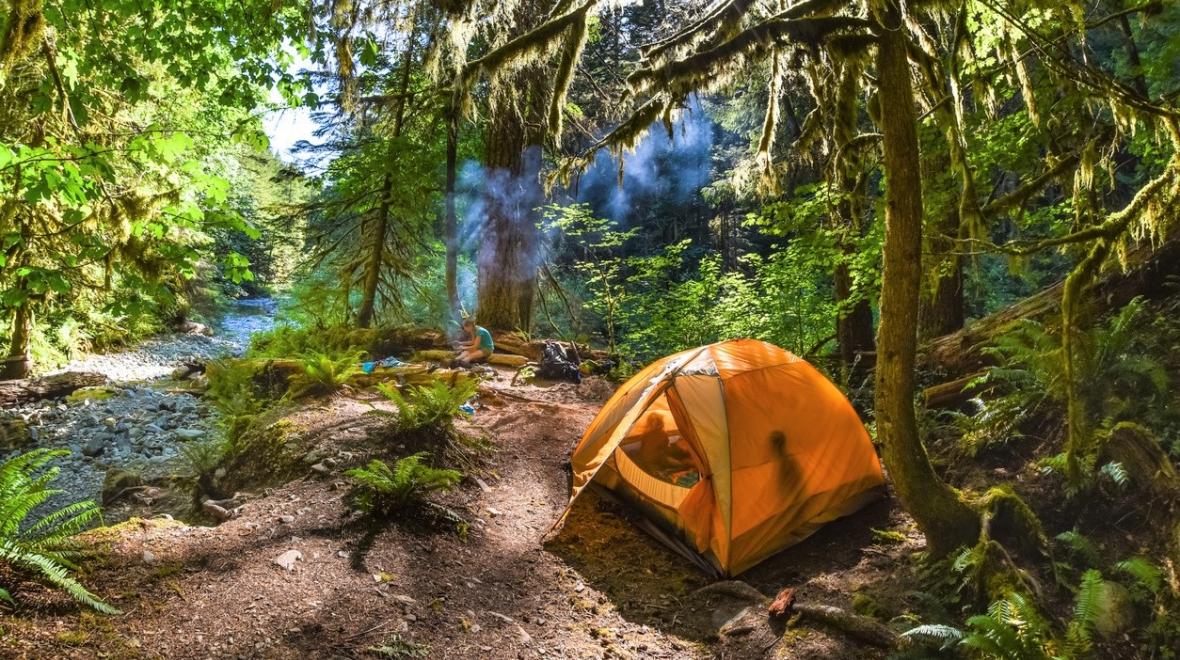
x=134, y=429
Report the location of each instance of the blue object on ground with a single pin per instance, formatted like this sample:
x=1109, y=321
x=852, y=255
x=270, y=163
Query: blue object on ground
x=467, y=408
x=368, y=367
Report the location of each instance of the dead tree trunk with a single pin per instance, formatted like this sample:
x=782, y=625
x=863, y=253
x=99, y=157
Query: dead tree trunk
x=1150, y=276
x=19, y=392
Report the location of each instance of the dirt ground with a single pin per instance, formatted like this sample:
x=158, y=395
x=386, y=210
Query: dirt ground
x=496, y=589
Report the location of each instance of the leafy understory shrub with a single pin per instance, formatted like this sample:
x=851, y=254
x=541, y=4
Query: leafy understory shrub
x=323, y=373
x=383, y=491
x=45, y=547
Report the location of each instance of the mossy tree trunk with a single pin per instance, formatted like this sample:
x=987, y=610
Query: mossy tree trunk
x=380, y=224
x=942, y=309
x=450, y=221
x=946, y=520
x=509, y=256
x=18, y=363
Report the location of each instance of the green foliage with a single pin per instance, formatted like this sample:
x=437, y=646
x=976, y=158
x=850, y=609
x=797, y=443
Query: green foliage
x=1146, y=574
x=287, y=341
x=383, y=491
x=45, y=546
x=1081, y=547
x=1087, y=608
x=431, y=406
x=1124, y=380
x=322, y=373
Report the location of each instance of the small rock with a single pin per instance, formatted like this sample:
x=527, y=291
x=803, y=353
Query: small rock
x=189, y=434
x=493, y=512
x=216, y=511
x=149, y=557
x=287, y=560
x=525, y=637
x=320, y=468
x=110, y=422
x=153, y=428
x=93, y=446
x=286, y=520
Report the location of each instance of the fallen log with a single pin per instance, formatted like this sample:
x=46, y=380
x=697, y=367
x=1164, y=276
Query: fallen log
x=953, y=393
x=19, y=392
x=1152, y=275
x=501, y=359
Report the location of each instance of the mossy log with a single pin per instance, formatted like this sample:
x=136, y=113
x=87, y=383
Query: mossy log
x=501, y=359
x=19, y=392
x=273, y=374
x=953, y=393
x=1149, y=274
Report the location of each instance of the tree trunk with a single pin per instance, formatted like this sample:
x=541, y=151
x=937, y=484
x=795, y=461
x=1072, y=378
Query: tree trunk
x=509, y=254
x=18, y=364
x=946, y=520
x=941, y=312
x=451, y=225
x=854, y=328
x=376, y=247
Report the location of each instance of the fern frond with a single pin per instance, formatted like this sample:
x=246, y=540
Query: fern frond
x=1144, y=571
x=1081, y=546
x=945, y=636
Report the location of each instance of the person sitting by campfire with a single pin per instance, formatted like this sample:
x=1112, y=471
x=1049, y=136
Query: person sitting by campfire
x=479, y=348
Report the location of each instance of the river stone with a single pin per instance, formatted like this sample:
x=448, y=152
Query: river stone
x=1116, y=612
x=85, y=395
x=189, y=434
x=116, y=482
x=153, y=429
x=94, y=446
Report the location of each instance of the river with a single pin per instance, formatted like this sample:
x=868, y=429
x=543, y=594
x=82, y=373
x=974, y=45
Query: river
x=141, y=421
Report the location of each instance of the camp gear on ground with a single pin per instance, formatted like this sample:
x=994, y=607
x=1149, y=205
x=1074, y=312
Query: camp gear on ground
x=557, y=363
x=731, y=452
x=389, y=362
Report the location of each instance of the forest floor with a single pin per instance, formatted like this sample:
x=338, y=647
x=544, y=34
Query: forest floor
x=500, y=588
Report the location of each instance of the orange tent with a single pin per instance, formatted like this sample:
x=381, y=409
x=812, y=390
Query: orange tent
x=732, y=452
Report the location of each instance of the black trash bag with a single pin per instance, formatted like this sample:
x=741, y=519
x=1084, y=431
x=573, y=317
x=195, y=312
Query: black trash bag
x=557, y=363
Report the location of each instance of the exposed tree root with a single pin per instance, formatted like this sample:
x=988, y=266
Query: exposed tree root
x=861, y=628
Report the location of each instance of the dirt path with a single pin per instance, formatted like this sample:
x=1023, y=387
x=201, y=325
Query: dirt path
x=498, y=589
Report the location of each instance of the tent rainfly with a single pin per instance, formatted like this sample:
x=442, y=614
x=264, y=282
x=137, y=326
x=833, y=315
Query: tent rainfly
x=731, y=451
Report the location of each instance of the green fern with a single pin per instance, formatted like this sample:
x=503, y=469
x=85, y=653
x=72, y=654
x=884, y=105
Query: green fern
x=1012, y=628
x=435, y=405
x=322, y=373
x=1086, y=610
x=944, y=636
x=45, y=547
x=1081, y=546
x=1145, y=573
x=384, y=491
x=1116, y=473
